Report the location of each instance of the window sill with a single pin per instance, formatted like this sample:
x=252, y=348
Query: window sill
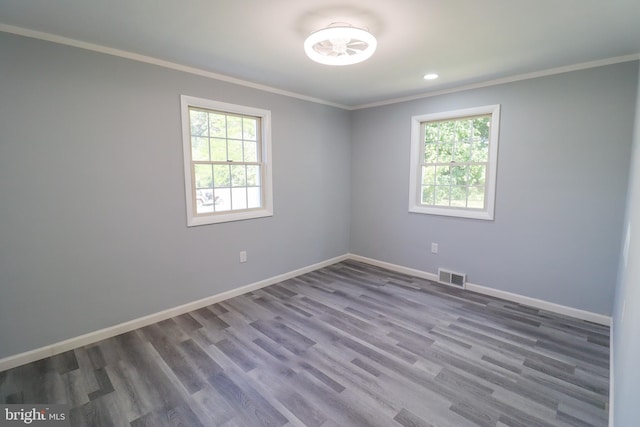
x=459, y=213
x=194, y=221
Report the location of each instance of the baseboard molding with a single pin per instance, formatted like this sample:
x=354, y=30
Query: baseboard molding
x=99, y=335
x=395, y=267
x=589, y=316
x=612, y=388
x=600, y=319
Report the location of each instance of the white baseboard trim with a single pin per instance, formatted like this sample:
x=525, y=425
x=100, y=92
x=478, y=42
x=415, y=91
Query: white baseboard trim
x=395, y=267
x=99, y=335
x=600, y=319
x=112, y=331
x=589, y=316
x=612, y=388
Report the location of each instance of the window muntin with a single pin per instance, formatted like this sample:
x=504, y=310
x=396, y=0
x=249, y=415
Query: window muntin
x=227, y=170
x=453, y=165
x=225, y=161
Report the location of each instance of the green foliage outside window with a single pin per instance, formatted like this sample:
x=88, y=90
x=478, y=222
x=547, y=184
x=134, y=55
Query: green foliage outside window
x=456, y=156
x=224, y=149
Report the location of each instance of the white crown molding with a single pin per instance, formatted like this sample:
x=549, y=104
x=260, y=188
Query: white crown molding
x=159, y=62
x=222, y=77
x=504, y=80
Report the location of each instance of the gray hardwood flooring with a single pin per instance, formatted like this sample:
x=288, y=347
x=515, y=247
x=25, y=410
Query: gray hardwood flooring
x=347, y=345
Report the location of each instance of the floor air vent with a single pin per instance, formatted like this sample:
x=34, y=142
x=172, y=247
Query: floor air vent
x=451, y=278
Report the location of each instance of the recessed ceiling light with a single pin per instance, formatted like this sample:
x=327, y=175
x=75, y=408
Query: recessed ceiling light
x=340, y=44
x=431, y=76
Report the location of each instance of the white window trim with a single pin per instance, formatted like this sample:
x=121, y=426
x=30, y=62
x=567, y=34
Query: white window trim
x=416, y=171
x=267, y=209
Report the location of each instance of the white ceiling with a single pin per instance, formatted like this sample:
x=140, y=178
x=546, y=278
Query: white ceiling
x=260, y=41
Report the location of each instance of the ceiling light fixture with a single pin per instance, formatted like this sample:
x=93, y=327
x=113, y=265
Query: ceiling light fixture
x=431, y=76
x=340, y=44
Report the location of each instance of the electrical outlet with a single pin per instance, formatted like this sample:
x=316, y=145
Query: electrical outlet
x=434, y=248
x=243, y=256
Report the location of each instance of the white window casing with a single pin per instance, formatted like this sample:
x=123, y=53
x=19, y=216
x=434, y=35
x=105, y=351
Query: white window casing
x=434, y=159
x=227, y=161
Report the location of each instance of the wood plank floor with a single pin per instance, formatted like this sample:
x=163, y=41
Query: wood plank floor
x=347, y=345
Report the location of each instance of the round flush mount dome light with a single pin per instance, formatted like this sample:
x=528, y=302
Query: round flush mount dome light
x=340, y=44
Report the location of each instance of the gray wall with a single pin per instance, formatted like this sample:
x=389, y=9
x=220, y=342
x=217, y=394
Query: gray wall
x=92, y=212
x=92, y=218
x=563, y=160
x=626, y=339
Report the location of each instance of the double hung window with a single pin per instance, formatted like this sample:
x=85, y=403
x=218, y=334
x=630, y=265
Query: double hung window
x=454, y=162
x=227, y=161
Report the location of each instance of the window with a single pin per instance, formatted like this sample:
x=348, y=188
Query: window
x=227, y=161
x=453, y=162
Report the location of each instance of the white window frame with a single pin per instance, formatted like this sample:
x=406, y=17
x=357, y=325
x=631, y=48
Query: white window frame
x=417, y=160
x=266, y=210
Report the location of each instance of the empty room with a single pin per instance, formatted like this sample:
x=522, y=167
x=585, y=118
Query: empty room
x=310, y=213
